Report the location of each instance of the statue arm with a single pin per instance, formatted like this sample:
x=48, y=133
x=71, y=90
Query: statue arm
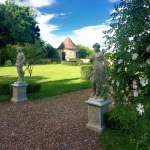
x=91, y=59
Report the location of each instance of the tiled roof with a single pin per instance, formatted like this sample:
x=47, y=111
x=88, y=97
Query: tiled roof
x=67, y=44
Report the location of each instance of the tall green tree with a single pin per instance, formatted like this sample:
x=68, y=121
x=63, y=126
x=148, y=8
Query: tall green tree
x=33, y=52
x=17, y=25
x=49, y=50
x=84, y=52
x=129, y=39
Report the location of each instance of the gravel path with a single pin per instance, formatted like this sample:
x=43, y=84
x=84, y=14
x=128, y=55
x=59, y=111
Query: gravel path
x=52, y=123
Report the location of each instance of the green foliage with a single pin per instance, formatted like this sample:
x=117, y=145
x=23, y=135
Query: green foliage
x=8, y=63
x=11, y=52
x=69, y=63
x=84, y=52
x=49, y=50
x=17, y=26
x=74, y=63
x=33, y=53
x=129, y=122
x=130, y=73
x=33, y=87
x=86, y=72
x=116, y=140
x=5, y=89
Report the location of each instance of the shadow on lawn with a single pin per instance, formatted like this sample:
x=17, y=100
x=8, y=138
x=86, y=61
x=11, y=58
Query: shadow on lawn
x=50, y=88
x=10, y=79
x=59, y=87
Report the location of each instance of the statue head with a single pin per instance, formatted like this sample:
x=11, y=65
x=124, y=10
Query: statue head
x=96, y=47
x=19, y=49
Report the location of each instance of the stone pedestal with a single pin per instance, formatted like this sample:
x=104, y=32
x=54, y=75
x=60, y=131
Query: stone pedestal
x=19, y=93
x=97, y=109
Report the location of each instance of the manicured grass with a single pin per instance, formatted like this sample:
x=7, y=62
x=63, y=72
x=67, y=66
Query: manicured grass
x=55, y=79
x=116, y=140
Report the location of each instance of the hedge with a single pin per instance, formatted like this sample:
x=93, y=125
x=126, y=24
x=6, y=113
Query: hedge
x=31, y=88
x=6, y=89
x=86, y=72
x=74, y=63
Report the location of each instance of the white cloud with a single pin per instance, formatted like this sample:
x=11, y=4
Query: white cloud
x=46, y=28
x=2, y=1
x=40, y=3
x=112, y=1
x=36, y=3
x=86, y=36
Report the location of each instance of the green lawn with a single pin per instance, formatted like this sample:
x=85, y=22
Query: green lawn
x=55, y=79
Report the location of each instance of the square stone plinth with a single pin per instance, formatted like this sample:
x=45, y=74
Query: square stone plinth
x=19, y=93
x=97, y=110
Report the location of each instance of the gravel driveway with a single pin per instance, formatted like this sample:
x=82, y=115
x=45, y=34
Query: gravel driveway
x=52, y=123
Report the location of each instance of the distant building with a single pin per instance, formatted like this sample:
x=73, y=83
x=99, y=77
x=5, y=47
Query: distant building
x=67, y=51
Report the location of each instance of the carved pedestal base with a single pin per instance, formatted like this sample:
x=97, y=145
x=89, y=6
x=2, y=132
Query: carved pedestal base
x=19, y=93
x=97, y=109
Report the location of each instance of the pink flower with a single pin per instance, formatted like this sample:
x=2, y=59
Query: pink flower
x=119, y=70
x=135, y=93
x=125, y=98
x=122, y=91
x=134, y=84
x=117, y=83
x=147, y=49
x=134, y=56
x=120, y=61
x=112, y=82
x=148, y=61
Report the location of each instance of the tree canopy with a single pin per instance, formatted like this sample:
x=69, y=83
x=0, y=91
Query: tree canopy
x=84, y=52
x=17, y=26
x=49, y=50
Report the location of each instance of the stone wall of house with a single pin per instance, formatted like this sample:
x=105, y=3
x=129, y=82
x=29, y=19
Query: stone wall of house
x=69, y=54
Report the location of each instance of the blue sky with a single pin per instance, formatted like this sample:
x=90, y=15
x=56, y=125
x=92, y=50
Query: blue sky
x=82, y=20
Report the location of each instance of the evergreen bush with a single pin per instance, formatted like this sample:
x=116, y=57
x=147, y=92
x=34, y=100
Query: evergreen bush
x=74, y=63
x=34, y=87
x=86, y=72
x=8, y=63
x=5, y=89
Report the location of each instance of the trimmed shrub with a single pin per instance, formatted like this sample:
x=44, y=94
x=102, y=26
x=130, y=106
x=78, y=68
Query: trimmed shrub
x=5, y=89
x=8, y=63
x=70, y=63
x=32, y=88
x=74, y=63
x=86, y=72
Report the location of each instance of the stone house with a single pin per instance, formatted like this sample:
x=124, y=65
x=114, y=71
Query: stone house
x=67, y=51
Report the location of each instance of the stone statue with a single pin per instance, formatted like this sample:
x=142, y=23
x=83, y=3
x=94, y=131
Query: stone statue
x=19, y=64
x=98, y=74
